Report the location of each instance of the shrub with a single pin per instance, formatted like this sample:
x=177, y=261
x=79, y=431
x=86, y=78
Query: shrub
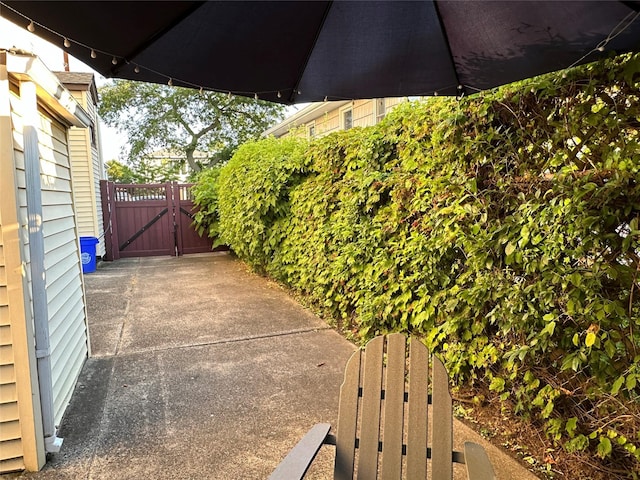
x=253, y=202
x=205, y=196
x=502, y=228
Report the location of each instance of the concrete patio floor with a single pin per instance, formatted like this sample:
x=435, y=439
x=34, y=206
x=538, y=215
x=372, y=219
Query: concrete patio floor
x=202, y=370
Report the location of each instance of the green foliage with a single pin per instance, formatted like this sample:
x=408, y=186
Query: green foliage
x=205, y=196
x=253, y=219
x=157, y=171
x=183, y=121
x=120, y=173
x=503, y=228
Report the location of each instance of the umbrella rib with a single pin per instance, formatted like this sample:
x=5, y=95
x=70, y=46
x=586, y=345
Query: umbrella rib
x=313, y=45
x=444, y=30
x=160, y=33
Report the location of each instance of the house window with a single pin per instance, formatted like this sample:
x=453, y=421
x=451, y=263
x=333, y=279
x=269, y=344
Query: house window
x=347, y=119
x=312, y=130
x=381, y=109
x=92, y=132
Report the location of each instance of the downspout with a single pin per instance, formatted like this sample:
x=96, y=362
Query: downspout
x=29, y=98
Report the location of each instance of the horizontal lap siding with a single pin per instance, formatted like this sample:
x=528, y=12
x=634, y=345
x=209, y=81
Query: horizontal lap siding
x=87, y=172
x=11, y=443
x=79, y=149
x=98, y=172
x=67, y=328
x=327, y=123
x=363, y=113
x=10, y=433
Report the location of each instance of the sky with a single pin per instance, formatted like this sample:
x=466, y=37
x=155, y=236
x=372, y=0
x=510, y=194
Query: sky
x=12, y=35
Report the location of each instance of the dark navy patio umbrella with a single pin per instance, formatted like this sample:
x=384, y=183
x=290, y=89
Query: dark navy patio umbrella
x=305, y=51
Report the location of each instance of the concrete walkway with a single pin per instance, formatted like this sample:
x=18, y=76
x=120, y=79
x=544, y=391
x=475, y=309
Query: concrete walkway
x=202, y=370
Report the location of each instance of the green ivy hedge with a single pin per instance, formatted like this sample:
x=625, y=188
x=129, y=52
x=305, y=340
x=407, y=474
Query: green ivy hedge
x=502, y=228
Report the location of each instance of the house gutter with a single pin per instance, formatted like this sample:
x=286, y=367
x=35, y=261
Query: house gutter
x=27, y=67
x=301, y=117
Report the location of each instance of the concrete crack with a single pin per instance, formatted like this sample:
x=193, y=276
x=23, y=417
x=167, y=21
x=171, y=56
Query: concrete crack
x=229, y=340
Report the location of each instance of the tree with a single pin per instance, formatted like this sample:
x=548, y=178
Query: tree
x=117, y=172
x=181, y=120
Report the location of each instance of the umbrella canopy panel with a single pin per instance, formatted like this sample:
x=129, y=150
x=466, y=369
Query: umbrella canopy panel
x=302, y=51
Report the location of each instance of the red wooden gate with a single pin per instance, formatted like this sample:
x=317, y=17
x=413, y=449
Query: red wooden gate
x=147, y=220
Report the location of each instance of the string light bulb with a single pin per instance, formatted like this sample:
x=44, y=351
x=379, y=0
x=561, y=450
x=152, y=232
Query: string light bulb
x=255, y=96
x=31, y=27
x=326, y=99
x=201, y=90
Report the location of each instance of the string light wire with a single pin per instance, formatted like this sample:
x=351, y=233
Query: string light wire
x=617, y=30
x=623, y=25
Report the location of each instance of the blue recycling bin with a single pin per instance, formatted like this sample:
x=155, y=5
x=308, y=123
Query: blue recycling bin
x=88, y=253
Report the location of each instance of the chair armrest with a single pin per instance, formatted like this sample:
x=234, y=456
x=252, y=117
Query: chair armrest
x=295, y=465
x=478, y=464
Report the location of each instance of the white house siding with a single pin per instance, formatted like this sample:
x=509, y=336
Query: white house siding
x=65, y=296
x=98, y=170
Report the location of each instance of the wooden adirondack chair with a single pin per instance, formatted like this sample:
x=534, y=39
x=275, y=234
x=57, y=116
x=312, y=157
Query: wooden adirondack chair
x=383, y=416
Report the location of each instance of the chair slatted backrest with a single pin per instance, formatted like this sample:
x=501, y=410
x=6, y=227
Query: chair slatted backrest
x=383, y=414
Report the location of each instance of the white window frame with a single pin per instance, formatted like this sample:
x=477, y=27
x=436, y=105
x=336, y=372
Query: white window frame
x=343, y=111
x=380, y=112
x=311, y=130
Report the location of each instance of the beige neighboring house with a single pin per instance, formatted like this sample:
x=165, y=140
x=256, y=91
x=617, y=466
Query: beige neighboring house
x=322, y=118
x=87, y=166
x=43, y=331
x=169, y=158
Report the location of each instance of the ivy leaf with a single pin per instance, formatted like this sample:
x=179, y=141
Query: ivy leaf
x=604, y=447
x=577, y=444
x=616, y=385
x=610, y=348
x=549, y=328
x=509, y=249
x=497, y=384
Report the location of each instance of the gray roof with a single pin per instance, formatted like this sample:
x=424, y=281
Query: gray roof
x=79, y=79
